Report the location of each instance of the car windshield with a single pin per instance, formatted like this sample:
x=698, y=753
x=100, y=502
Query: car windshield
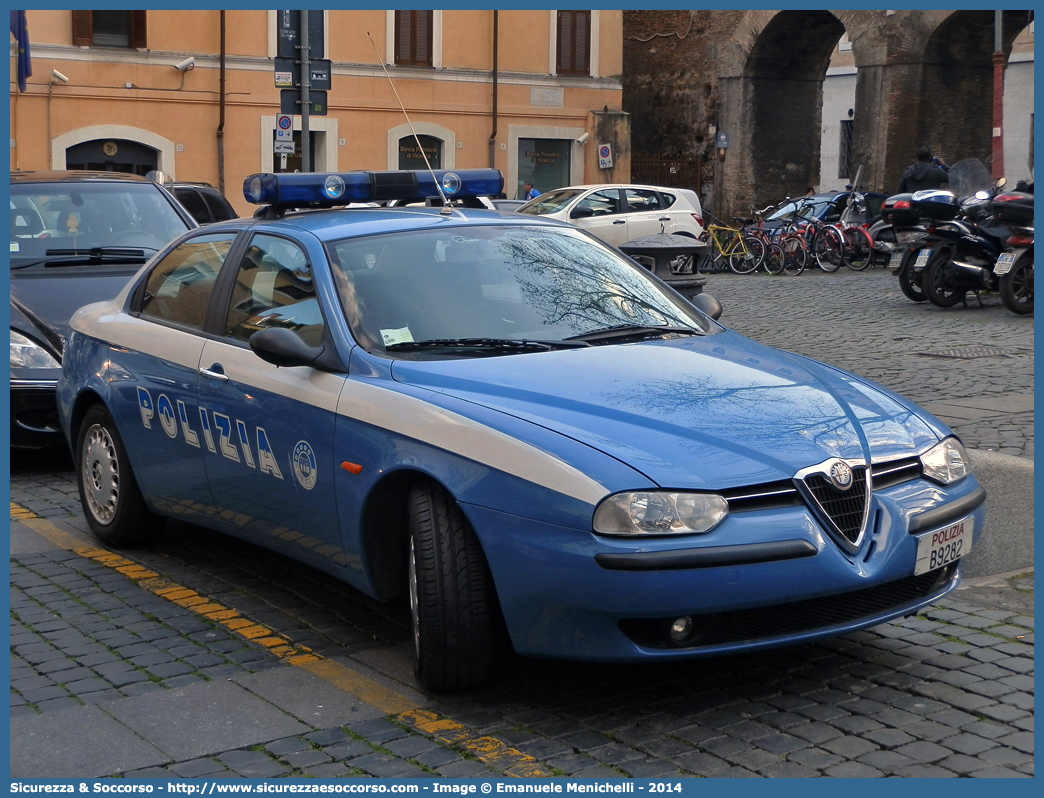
x=497, y=283
x=551, y=202
x=82, y=215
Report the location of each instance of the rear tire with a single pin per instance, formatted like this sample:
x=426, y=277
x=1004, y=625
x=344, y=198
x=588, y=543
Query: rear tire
x=774, y=259
x=1016, y=287
x=828, y=249
x=109, y=493
x=860, y=250
x=452, y=605
x=748, y=261
x=795, y=255
x=937, y=287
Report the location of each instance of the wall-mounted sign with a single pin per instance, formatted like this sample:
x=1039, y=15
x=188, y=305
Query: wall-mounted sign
x=605, y=156
x=721, y=140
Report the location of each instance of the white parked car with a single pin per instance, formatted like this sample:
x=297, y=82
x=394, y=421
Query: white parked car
x=621, y=213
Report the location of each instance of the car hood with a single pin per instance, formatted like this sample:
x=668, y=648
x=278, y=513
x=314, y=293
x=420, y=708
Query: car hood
x=712, y=412
x=48, y=296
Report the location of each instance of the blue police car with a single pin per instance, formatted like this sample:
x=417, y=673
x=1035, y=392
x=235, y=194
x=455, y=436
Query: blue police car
x=511, y=423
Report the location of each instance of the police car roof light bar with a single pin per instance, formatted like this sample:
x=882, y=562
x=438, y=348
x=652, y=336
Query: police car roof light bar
x=324, y=190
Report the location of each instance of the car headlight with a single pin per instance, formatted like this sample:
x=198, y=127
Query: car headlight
x=946, y=462
x=659, y=513
x=28, y=355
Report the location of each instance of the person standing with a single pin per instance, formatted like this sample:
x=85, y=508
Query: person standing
x=528, y=192
x=926, y=172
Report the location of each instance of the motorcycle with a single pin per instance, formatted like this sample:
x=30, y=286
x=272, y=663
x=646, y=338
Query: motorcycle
x=901, y=229
x=1014, y=267
x=959, y=254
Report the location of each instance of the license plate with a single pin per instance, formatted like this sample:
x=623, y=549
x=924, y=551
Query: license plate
x=1004, y=263
x=922, y=258
x=895, y=260
x=943, y=546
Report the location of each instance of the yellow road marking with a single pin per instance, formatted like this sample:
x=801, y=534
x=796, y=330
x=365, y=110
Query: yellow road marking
x=488, y=750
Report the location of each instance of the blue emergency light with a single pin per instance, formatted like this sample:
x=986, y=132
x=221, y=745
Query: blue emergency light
x=323, y=189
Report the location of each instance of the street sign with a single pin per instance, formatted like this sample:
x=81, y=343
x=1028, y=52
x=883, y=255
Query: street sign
x=284, y=128
x=605, y=156
x=288, y=24
x=283, y=146
x=290, y=102
x=288, y=73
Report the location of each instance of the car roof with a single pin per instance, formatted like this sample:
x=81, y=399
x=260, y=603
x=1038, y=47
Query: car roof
x=73, y=176
x=331, y=224
x=613, y=185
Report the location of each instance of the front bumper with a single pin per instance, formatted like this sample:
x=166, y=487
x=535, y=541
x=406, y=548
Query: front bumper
x=569, y=594
x=34, y=415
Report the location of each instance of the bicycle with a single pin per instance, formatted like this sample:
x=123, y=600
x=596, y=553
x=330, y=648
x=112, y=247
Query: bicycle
x=742, y=253
x=859, y=246
x=826, y=243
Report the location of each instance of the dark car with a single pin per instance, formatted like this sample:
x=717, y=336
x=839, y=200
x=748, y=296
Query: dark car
x=206, y=203
x=76, y=237
x=827, y=206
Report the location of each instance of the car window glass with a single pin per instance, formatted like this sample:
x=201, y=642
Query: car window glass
x=641, y=199
x=274, y=288
x=179, y=287
x=531, y=283
x=873, y=203
x=193, y=204
x=551, y=202
x=668, y=199
x=84, y=214
x=601, y=203
x=218, y=210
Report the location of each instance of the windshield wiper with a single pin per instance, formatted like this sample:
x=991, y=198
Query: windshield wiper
x=499, y=345
x=619, y=331
x=78, y=257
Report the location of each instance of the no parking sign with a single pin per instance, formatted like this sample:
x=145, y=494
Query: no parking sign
x=605, y=156
x=284, y=128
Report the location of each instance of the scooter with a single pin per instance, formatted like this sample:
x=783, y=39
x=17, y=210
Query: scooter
x=900, y=233
x=964, y=250
x=1014, y=268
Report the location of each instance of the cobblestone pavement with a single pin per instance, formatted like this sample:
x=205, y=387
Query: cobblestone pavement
x=972, y=367
x=946, y=693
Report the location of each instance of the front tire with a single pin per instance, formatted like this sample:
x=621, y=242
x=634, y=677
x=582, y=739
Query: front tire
x=452, y=605
x=109, y=493
x=936, y=286
x=1016, y=287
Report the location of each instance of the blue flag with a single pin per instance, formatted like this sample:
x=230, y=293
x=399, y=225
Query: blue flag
x=20, y=30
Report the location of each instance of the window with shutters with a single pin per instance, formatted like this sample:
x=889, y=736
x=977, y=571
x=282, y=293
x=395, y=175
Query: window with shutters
x=574, y=43
x=413, y=38
x=109, y=28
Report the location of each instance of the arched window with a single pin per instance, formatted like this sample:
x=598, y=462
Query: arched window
x=410, y=156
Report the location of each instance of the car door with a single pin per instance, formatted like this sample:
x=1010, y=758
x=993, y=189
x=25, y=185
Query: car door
x=601, y=214
x=268, y=431
x=154, y=381
x=644, y=215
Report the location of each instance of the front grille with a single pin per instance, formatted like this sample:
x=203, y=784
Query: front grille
x=766, y=496
x=793, y=618
x=885, y=475
x=845, y=508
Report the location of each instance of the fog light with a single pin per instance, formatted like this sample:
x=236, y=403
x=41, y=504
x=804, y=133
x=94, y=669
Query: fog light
x=681, y=628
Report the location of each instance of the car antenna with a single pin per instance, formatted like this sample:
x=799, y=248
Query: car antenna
x=447, y=209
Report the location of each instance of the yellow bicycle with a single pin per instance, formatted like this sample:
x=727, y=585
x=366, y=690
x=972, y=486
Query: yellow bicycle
x=730, y=246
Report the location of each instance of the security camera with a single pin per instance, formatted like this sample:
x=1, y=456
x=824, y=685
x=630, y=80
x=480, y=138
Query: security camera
x=56, y=75
x=584, y=137
x=186, y=65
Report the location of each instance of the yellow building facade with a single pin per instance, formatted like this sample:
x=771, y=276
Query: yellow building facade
x=193, y=94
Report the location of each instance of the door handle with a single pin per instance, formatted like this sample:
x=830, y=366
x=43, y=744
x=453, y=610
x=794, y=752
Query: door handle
x=214, y=375
x=620, y=221
x=664, y=219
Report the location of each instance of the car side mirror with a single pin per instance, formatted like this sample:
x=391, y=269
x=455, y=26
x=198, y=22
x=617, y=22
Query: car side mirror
x=708, y=305
x=581, y=213
x=282, y=347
